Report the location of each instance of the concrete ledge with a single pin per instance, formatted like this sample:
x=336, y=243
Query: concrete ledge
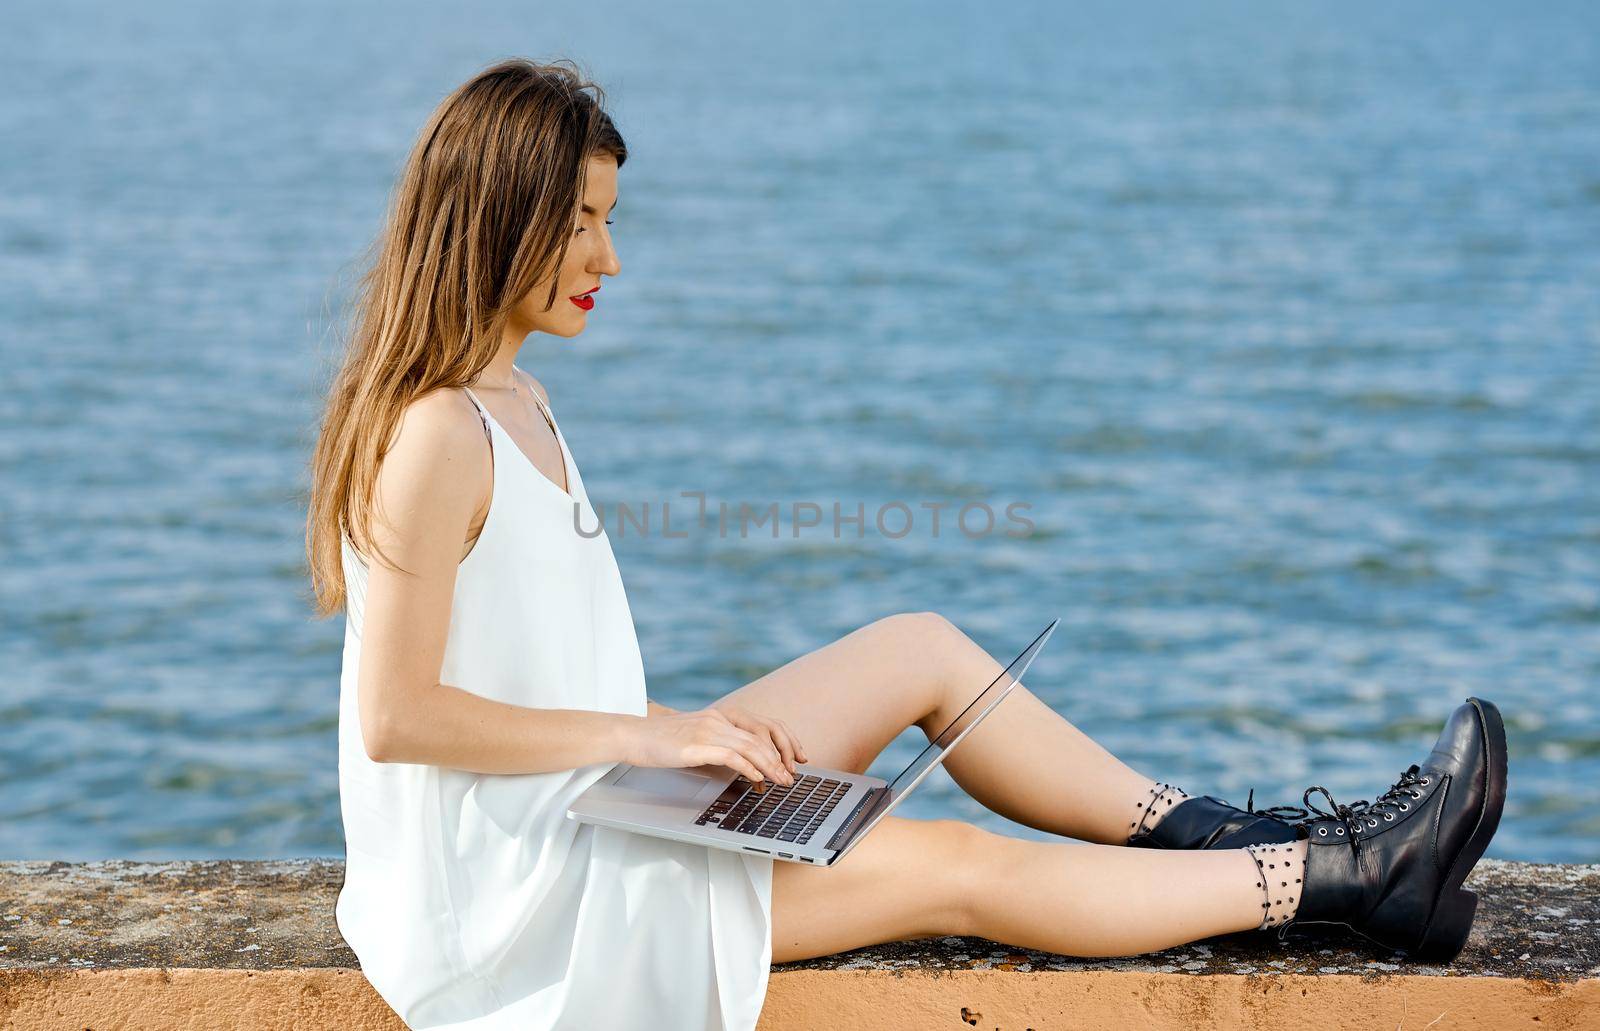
x=253, y=945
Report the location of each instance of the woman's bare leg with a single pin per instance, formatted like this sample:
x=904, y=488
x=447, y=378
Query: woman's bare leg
x=847, y=700
x=926, y=878
x=906, y=879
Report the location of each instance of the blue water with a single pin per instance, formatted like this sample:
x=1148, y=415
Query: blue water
x=1282, y=319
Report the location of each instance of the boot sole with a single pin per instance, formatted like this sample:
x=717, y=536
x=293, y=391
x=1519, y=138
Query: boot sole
x=1454, y=907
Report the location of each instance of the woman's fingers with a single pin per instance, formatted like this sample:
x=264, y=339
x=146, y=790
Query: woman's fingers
x=799, y=749
x=747, y=745
x=779, y=737
x=766, y=741
x=761, y=750
x=795, y=753
x=733, y=760
x=783, y=742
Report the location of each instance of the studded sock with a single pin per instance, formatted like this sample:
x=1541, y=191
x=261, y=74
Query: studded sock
x=1153, y=806
x=1280, y=874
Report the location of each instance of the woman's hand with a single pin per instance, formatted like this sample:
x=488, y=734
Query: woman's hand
x=758, y=747
x=766, y=728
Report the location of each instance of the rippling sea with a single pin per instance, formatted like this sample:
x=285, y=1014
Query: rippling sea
x=1282, y=320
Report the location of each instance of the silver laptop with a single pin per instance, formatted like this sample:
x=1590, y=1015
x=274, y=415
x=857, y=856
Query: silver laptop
x=817, y=819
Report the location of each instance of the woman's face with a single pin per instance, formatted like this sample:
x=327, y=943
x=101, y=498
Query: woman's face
x=589, y=256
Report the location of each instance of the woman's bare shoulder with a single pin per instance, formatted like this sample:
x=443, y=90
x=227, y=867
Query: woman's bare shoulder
x=443, y=418
x=438, y=454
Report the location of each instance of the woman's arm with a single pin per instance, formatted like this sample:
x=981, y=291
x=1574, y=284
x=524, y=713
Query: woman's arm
x=469, y=732
x=431, y=481
x=656, y=708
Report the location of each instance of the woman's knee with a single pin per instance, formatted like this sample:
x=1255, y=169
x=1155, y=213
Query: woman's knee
x=923, y=634
x=967, y=854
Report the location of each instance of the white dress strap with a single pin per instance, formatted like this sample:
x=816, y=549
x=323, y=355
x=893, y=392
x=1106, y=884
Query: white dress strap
x=482, y=415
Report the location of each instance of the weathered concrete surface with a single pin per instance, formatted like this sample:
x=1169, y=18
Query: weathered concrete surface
x=253, y=945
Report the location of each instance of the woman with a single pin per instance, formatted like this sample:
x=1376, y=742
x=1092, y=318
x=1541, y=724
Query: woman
x=491, y=673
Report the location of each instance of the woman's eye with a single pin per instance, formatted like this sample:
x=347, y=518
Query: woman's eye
x=581, y=228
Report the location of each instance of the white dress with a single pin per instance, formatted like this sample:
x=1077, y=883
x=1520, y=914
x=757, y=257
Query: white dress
x=471, y=900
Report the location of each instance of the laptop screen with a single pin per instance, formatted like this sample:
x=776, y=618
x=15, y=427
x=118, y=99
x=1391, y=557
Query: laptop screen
x=965, y=719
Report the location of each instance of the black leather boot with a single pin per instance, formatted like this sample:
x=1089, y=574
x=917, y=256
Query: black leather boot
x=1208, y=822
x=1391, y=869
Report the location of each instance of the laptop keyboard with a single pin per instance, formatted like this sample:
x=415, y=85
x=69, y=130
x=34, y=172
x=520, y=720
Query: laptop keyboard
x=784, y=813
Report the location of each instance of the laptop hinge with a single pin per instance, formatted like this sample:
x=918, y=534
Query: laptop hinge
x=857, y=815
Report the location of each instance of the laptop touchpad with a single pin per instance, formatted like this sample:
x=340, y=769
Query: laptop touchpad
x=673, y=783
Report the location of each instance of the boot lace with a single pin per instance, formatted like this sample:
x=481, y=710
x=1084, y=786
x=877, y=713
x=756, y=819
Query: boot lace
x=1361, y=817
x=1286, y=813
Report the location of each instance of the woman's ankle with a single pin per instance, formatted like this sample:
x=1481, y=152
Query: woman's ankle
x=1153, y=805
x=1280, y=874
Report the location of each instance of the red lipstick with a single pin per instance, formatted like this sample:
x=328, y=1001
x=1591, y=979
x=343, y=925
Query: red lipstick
x=584, y=300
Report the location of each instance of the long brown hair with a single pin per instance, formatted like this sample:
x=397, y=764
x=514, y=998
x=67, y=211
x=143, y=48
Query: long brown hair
x=483, y=212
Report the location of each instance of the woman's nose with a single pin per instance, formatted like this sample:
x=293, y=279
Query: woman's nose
x=606, y=263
